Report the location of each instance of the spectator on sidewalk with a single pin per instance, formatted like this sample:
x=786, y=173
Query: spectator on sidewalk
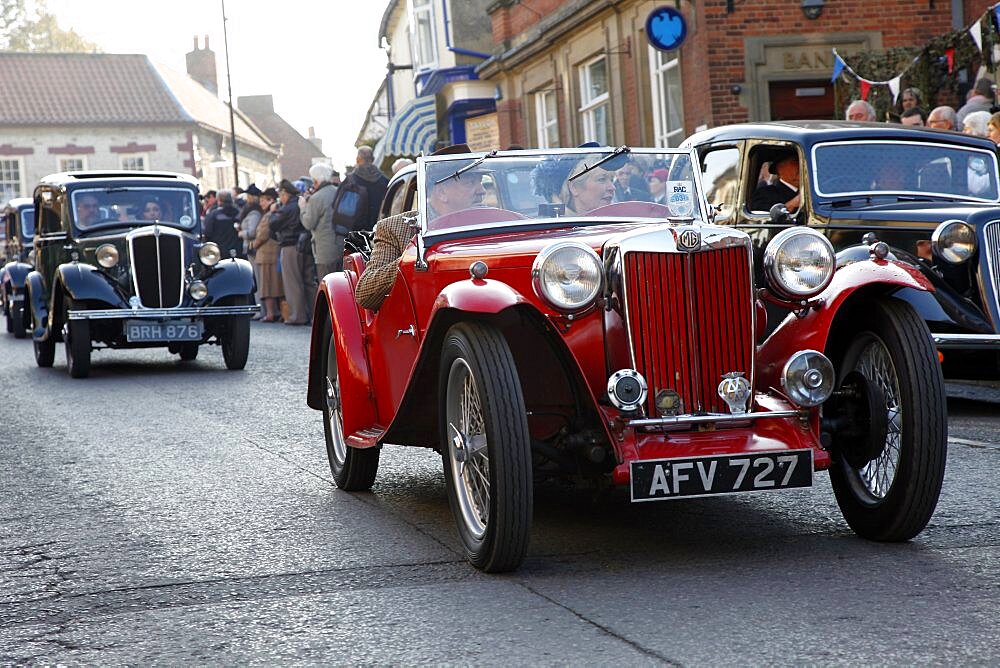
x=366, y=185
x=327, y=242
x=266, y=252
x=980, y=99
x=286, y=226
x=221, y=226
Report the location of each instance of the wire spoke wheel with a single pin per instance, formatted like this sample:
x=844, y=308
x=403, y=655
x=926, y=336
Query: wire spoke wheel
x=890, y=492
x=485, y=446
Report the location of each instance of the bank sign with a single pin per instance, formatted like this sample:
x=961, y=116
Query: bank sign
x=666, y=28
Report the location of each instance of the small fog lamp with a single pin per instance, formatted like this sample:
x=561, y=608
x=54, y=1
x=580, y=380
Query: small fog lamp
x=808, y=378
x=198, y=290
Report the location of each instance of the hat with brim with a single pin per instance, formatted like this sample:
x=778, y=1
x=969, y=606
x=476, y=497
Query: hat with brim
x=270, y=192
x=252, y=190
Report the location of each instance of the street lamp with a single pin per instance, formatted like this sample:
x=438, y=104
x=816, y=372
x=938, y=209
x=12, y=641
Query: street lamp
x=812, y=8
x=229, y=86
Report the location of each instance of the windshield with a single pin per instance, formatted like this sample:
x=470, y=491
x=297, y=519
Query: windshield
x=28, y=223
x=844, y=169
x=133, y=205
x=473, y=190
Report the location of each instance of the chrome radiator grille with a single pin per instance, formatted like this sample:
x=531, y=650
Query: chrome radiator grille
x=991, y=235
x=157, y=269
x=690, y=320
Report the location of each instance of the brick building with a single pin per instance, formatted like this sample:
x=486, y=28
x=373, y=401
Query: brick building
x=570, y=71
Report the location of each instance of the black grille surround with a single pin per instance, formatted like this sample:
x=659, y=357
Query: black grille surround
x=157, y=259
x=991, y=249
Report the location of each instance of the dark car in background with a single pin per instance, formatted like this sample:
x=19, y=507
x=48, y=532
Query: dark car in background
x=18, y=229
x=120, y=263
x=932, y=196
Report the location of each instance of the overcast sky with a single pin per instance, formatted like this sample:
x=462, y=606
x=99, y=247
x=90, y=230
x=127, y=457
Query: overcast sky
x=319, y=59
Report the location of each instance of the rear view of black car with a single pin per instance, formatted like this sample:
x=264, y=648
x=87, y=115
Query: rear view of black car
x=119, y=263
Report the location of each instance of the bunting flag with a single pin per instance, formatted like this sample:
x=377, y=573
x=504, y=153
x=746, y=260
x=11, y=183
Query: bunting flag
x=894, y=87
x=949, y=53
x=865, y=88
x=996, y=14
x=976, y=33
x=838, y=66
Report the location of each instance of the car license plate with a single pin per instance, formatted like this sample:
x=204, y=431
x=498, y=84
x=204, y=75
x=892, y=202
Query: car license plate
x=139, y=331
x=658, y=479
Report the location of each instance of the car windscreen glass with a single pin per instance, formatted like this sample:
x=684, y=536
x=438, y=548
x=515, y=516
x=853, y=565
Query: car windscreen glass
x=28, y=223
x=864, y=168
x=116, y=206
x=469, y=191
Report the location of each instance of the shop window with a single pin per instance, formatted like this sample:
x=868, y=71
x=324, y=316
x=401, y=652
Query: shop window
x=10, y=178
x=547, y=119
x=668, y=105
x=594, y=105
x=721, y=179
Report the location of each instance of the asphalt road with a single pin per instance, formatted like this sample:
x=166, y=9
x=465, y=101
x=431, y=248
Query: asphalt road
x=175, y=513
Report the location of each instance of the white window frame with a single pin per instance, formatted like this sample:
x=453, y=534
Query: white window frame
x=663, y=64
x=417, y=7
x=132, y=156
x=20, y=177
x=589, y=105
x=61, y=160
x=543, y=122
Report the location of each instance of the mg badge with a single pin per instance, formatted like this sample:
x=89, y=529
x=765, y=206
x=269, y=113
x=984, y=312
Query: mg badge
x=735, y=391
x=688, y=240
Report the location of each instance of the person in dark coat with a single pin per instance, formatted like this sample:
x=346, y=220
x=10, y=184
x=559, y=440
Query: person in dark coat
x=286, y=226
x=783, y=191
x=221, y=227
x=367, y=175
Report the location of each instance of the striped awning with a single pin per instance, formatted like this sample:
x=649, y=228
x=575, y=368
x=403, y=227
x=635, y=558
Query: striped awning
x=413, y=130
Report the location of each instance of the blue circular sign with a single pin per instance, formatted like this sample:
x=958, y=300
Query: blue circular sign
x=666, y=28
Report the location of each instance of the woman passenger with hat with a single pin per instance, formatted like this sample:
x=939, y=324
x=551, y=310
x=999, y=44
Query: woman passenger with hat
x=265, y=251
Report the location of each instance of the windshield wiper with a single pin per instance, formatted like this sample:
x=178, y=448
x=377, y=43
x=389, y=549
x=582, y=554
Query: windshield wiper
x=458, y=173
x=611, y=156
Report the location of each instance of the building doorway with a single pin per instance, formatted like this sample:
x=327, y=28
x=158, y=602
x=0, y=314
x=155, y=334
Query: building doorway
x=801, y=100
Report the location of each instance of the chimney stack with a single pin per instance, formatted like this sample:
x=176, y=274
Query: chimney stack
x=201, y=66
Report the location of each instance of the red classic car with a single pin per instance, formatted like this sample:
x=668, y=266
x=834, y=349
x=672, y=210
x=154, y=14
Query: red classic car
x=548, y=329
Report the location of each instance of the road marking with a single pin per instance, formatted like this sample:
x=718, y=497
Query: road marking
x=973, y=444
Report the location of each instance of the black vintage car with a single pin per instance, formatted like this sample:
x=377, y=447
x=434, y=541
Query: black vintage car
x=18, y=225
x=932, y=196
x=120, y=264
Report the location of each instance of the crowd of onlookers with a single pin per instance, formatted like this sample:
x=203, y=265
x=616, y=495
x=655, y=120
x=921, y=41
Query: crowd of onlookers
x=294, y=233
x=979, y=116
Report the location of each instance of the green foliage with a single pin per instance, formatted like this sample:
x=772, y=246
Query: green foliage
x=24, y=28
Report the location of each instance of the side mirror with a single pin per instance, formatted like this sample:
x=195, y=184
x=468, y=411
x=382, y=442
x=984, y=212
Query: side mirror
x=780, y=215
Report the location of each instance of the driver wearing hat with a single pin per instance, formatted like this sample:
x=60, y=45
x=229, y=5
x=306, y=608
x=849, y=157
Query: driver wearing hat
x=392, y=234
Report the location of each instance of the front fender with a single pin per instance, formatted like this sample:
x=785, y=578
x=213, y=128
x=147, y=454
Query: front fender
x=14, y=274
x=36, y=302
x=851, y=284
x=476, y=296
x=84, y=282
x=336, y=298
x=230, y=277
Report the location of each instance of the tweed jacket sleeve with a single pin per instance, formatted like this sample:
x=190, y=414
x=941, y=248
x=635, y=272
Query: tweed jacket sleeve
x=392, y=234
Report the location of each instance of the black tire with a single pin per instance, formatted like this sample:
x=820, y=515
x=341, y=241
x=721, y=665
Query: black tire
x=893, y=495
x=484, y=425
x=17, y=321
x=78, y=348
x=45, y=351
x=353, y=469
x=189, y=352
x=236, y=339
x=8, y=311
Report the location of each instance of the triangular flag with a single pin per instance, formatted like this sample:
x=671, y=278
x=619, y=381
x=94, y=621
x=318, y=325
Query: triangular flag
x=838, y=66
x=949, y=53
x=996, y=13
x=976, y=33
x=865, y=87
x=894, y=87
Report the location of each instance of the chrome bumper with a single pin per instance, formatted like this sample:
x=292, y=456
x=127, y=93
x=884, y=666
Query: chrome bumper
x=683, y=420
x=162, y=313
x=977, y=341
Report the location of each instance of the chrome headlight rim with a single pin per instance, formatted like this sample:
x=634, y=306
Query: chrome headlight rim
x=198, y=290
x=772, y=267
x=538, y=282
x=799, y=387
x=946, y=251
x=210, y=254
x=107, y=255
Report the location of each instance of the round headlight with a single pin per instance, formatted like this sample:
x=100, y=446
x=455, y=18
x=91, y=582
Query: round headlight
x=799, y=263
x=808, y=378
x=107, y=255
x=209, y=254
x=568, y=275
x=954, y=241
x=197, y=290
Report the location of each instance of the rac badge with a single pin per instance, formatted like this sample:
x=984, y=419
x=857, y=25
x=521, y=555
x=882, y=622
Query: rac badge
x=688, y=239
